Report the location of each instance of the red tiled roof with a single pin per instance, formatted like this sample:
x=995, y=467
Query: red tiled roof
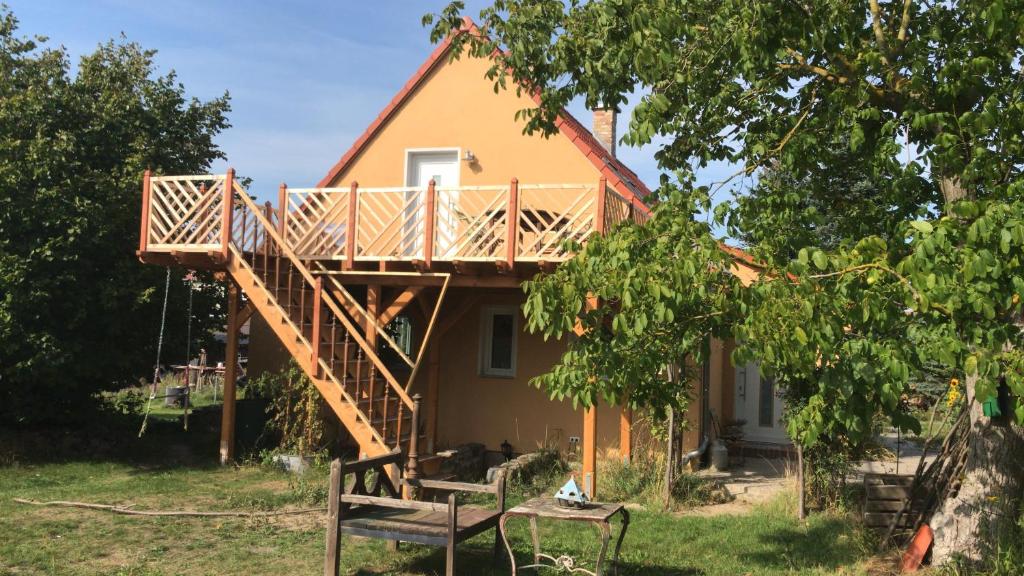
x=621, y=178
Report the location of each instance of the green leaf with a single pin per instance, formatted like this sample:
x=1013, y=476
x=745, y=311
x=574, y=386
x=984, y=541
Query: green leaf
x=820, y=260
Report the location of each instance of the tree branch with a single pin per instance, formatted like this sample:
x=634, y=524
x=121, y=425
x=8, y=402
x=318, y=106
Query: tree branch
x=876, y=25
x=904, y=23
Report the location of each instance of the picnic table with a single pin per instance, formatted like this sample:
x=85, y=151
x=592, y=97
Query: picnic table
x=545, y=507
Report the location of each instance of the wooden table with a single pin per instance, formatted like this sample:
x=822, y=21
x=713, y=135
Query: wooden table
x=545, y=507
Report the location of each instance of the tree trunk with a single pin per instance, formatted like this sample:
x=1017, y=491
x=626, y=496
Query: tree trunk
x=970, y=522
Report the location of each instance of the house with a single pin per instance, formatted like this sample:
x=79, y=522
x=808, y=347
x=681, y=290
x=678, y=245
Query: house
x=395, y=282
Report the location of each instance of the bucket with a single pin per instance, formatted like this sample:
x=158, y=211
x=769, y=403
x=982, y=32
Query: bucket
x=174, y=396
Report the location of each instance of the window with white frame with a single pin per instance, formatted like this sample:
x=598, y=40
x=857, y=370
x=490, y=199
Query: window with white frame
x=498, y=330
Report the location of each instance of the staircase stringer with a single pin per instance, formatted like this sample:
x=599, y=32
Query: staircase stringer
x=343, y=405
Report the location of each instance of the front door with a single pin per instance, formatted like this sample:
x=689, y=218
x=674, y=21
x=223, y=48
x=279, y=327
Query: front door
x=758, y=403
x=441, y=166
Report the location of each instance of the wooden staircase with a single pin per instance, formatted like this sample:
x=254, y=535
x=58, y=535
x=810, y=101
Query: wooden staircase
x=327, y=342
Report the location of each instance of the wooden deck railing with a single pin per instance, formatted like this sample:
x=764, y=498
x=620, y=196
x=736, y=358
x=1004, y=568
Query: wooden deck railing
x=465, y=223
x=501, y=223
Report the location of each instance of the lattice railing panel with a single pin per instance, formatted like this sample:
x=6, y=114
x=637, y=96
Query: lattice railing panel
x=470, y=223
x=390, y=223
x=185, y=211
x=317, y=222
x=550, y=215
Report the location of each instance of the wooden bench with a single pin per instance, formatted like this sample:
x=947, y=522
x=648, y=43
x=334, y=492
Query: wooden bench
x=373, y=507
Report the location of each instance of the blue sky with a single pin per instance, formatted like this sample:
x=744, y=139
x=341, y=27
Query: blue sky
x=305, y=77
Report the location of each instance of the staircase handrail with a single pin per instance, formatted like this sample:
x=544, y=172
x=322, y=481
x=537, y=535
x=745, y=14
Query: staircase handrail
x=307, y=275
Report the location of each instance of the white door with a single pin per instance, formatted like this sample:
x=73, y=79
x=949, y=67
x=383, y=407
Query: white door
x=758, y=403
x=441, y=166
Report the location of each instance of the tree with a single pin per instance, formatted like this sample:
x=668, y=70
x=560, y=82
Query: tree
x=928, y=96
x=78, y=312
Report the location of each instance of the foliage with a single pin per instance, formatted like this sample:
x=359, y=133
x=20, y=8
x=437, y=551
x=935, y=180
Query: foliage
x=73, y=298
x=642, y=481
x=544, y=472
x=927, y=99
x=296, y=408
x=664, y=288
x=127, y=401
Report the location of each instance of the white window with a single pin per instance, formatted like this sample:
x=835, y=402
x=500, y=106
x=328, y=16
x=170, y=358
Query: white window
x=498, y=330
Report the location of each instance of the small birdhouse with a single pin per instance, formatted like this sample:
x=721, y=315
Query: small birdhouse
x=571, y=496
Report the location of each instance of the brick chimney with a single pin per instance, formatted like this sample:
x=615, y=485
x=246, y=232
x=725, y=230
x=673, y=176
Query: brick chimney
x=604, y=128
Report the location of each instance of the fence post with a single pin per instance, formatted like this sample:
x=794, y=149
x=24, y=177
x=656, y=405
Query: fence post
x=144, y=231
x=315, y=336
x=602, y=203
x=512, y=224
x=229, y=208
x=282, y=216
x=352, y=226
x=428, y=241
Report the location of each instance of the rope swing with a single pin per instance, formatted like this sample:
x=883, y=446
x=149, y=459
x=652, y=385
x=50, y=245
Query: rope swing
x=190, y=277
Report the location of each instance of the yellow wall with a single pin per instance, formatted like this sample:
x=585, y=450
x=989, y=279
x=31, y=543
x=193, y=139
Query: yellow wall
x=456, y=107
x=474, y=408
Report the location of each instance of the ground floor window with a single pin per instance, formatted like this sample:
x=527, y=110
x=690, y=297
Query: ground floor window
x=498, y=328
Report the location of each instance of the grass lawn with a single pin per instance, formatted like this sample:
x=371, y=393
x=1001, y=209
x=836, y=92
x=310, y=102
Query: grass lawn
x=35, y=540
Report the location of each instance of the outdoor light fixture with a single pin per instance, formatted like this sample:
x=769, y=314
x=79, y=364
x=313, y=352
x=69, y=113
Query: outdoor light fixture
x=506, y=450
x=469, y=156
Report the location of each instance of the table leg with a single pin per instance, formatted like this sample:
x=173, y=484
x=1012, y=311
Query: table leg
x=622, y=535
x=606, y=535
x=504, y=538
x=535, y=536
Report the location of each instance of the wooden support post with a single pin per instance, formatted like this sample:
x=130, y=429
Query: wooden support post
x=282, y=206
x=433, y=392
x=318, y=290
x=373, y=292
x=428, y=226
x=412, y=466
x=227, y=420
x=352, y=227
x=229, y=209
x=626, y=432
x=590, y=451
x=602, y=203
x=144, y=227
x=512, y=224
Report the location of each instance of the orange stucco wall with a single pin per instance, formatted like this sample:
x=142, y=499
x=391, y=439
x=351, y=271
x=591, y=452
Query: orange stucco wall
x=474, y=408
x=456, y=107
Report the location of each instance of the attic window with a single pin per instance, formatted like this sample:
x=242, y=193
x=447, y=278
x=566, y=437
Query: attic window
x=498, y=330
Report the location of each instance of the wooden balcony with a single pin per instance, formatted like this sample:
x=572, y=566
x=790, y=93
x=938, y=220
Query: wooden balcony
x=469, y=229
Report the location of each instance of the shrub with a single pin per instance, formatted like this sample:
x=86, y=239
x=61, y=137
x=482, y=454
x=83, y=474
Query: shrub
x=642, y=481
x=296, y=409
x=543, y=472
x=127, y=401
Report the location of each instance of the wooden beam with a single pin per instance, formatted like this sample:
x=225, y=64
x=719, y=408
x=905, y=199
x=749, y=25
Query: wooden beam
x=318, y=291
x=352, y=227
x=245, y=314
x=428, y=226
x=229, y=210
x=512, y=224
x=426, y=335
x=373, y=311
x=421, y=279
x=146, y=191
x=590, y=451
x=227, y=419
x=282, y=204
x=398, y=304
x=433, y=392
